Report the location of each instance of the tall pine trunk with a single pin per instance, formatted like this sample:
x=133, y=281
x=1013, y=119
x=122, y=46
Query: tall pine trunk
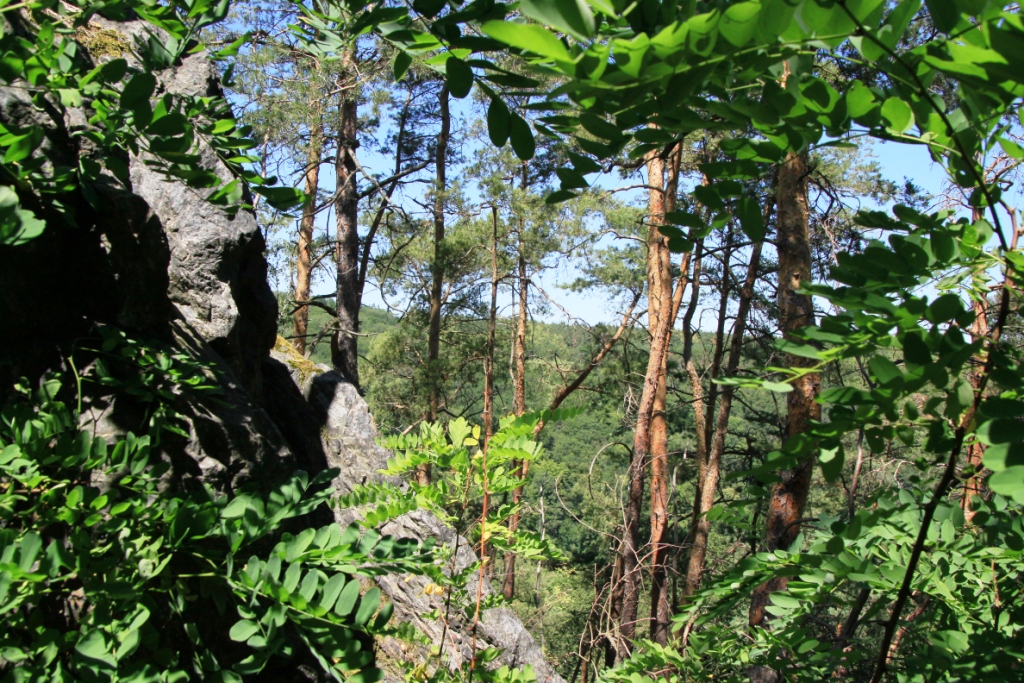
x=434, y=379
x=304, y=257
x=789, y=495
x=492, y=318
x=508, y=589
x=344, y=352
x=630, y=546
x=663, y=188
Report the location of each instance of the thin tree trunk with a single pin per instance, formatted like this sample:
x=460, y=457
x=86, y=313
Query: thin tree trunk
x=304, y=257
x=614, y=607
x=922, y=601
x=437, y=272
x=537, y=597
x=700, y=526
x=508, y=590
x=519, y=382
x=974, y=486
x=344, y=352
x=696, y=384
x=661, y=199
x=635, y=499
x=789, y=496
x=491, y=329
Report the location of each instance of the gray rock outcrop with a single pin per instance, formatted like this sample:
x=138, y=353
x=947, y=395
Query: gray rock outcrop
x=162, y=264
x=349, y=442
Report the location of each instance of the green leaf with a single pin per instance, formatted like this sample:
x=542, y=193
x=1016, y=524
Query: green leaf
x=17, y=226
x=222, y=126
x=779, y=387
x=794, y=349
x=1000, y=431
x=347, y=599
x=831, y=461
x=1001, y=456
x=272, y=570
x=307, y=589
x=600, y=127
x=898, y=114
x=1002, y=407
x=521, y=137
x=884, y=370
x=530, y=37
x=945, y=14
x=785, y=601
x=282, y=198
x=367, y=606
x=236, y=508
x=1009, y=483
x=859, y=100
x=459, y=77
x=571, y=180
x=739, y=22
x=685, y=218
x=403, y=60
x=498, y=122
x=20, y=147
x=582, y=164
x=559, y=196
x=94, y=646
x=944, y=308
x=31, y=544
x=429, y=8
x=569, y=16
x=232, y=48
x=297, y=545
x=678, y=243
x=291, y=577
x=243, y=630
x=139, y=89
x=384, y=616
x=70, y=97
x=331, y=591
x=751, y=218
x=1012, y=149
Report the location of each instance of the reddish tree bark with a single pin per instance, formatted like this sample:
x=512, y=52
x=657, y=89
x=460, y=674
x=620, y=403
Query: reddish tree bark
x=635, y=496
x=789, y=496
x=344, y=353
x=304, y=256
x=508, y=588
x=661, y=201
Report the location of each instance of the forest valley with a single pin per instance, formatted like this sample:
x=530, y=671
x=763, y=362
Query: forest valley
x=792, y=451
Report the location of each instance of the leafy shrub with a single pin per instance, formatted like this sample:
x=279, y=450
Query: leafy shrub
x=107, y=575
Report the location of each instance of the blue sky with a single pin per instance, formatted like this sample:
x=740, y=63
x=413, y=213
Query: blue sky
x=897, y=161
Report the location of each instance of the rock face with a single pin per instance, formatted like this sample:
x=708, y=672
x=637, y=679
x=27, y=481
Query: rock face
x=162, y=264
x=349, y=442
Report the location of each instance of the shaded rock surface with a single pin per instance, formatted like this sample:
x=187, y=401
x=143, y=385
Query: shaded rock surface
x=162, y=264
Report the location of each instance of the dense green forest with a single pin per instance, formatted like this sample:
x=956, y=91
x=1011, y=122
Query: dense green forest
x=790, y=452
